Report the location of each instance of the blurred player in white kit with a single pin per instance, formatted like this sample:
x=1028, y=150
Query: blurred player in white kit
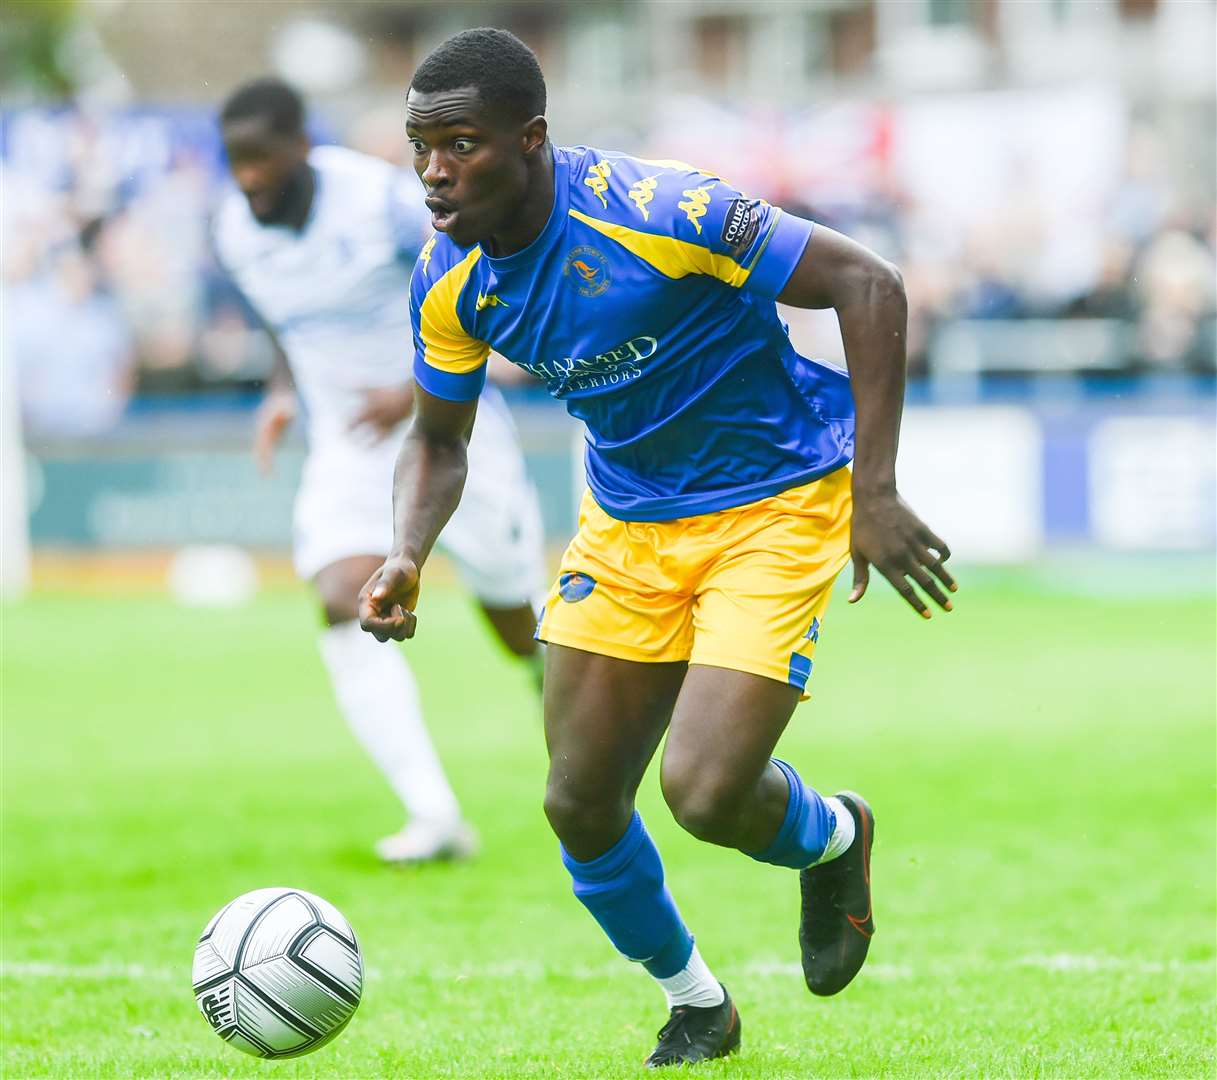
x=322, y=241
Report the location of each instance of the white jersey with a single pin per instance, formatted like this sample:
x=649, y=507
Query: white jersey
x=336, y=293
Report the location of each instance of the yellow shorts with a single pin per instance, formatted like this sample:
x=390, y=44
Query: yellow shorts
x=744, y=588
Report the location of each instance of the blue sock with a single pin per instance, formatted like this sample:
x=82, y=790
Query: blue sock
x=805, y=830
x=624, y=891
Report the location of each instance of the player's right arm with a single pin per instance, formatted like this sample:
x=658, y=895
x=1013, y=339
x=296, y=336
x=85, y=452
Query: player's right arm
x=449, y=373
x=427, y=485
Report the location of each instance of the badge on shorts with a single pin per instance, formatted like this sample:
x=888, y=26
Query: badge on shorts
x=575, y=587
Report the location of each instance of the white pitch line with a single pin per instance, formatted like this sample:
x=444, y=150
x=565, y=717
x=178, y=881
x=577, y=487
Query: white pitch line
x=1054, y=964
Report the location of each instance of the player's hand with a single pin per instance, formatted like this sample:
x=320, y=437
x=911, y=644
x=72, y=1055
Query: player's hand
x=886, y=534
x=383, y=409
x=273, y=418
x=386, y=602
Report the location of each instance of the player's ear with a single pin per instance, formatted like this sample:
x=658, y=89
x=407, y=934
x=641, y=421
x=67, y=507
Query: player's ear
x=535, y=133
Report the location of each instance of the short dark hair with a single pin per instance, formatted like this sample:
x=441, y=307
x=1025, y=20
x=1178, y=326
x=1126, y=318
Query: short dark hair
x=271, y=98
x=498, y=64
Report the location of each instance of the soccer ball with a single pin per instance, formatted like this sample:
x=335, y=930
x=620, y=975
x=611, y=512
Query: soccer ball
x=277, y=972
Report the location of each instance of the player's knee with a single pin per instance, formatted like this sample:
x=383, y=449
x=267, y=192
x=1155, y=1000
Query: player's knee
x=337, y=587
x=704, y=807
x=581, y=819
x=339, y=599
x=570, y=815
x=339, y=609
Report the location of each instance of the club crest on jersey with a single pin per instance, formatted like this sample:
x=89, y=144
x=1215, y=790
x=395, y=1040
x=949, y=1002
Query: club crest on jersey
x=587, y=269
x=741, y=224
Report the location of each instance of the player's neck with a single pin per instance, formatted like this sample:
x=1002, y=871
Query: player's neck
x=527, y=224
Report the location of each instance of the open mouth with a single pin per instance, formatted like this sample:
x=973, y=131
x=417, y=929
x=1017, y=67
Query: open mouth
x=442, y=214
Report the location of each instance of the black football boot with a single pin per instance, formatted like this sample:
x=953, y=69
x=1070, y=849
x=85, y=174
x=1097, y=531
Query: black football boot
x=837, y=922
x=694, y=1034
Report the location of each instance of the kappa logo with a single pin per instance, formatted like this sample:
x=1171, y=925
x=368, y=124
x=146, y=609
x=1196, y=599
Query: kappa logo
x=486, y=300
x=424, y=256
x=694, y=204
x=587, y=269
x=597, y=180
x=642, y=193
x=741, y=224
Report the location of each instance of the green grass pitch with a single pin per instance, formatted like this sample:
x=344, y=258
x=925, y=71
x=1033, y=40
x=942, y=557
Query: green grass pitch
x=1041, y=765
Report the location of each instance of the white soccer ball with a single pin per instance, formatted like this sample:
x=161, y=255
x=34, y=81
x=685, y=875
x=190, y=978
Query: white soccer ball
x=277, y=972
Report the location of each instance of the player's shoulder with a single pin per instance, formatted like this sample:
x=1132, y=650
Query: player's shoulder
x=647, y=194
x=439, y=258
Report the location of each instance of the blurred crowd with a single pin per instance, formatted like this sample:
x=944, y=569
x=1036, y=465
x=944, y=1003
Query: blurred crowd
x=109, y=287
x=1156, y=280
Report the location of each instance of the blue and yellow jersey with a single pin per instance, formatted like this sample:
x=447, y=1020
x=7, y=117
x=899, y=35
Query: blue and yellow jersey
x=647, y=305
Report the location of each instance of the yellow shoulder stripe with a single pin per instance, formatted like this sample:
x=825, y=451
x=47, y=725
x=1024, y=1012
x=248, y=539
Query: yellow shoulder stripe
x=671, y=256
x=446, y=344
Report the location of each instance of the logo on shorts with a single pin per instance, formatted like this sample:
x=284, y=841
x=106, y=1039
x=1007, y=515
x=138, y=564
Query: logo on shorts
x=813, y=631
x=587, y=269
x=575, y=587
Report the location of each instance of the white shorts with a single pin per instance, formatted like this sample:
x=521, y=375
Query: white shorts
x=345, y=508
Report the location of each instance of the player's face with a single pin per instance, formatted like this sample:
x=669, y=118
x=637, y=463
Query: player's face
x=472, y=165
x=264, y=164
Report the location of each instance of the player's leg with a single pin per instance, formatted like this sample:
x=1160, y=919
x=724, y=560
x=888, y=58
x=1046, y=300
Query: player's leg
x=604, y=718
x=758, y=616
x=724, y=786
x=618, y=624
x=379, y=699
x=514, y=625
x=717, y=773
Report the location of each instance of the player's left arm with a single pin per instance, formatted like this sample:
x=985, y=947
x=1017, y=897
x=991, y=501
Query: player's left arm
x=868, y=296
